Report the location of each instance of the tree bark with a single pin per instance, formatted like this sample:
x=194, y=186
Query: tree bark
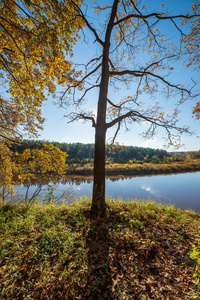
x=98, y=198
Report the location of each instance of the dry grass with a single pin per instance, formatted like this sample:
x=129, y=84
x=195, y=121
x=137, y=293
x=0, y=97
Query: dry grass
x=140, y=169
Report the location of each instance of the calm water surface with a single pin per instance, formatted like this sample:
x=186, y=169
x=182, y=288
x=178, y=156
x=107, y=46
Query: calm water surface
x=181, y=190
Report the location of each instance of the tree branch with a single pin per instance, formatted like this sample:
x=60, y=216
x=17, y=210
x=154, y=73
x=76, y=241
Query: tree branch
x=79, y=82
x=77, y=116
x=156, y=15
x=120, y=118
x=134, y=115
x=116, y=132
x=146, y=73
x=88, y=24
x=87, y=90
x=4, y=63
x=145, y=21
x=111, y=103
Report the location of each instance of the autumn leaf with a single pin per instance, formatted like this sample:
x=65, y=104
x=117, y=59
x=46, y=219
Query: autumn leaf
x=32, y=60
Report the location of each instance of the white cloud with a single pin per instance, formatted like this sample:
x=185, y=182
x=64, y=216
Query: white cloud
x=148, y=189
x=152, y=191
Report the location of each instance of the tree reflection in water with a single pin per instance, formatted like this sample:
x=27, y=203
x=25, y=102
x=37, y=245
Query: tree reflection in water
x=53, y=188
x=46, y=189
x=181, y=190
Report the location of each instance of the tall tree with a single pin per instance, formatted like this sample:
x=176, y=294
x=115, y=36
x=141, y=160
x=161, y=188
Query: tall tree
x=35, y=36
x=136, y=51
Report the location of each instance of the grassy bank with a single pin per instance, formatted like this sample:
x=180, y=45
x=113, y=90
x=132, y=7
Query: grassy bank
x=139, y=169
x=139, y=251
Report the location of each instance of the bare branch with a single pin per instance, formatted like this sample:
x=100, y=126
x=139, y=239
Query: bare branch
x=111, y=103
x=35, y=194
x=93, y=60
x=76, y=116
x=156, y=15
x=145, y=21
x=111, y=64
x=116, y=132
x=120, y=118
x=79, y=82
x=81, y=14
x=182, y=34
x=86, y=91
x=134, y=115
x=146, y=73
x=124, y=7
x=156, y=63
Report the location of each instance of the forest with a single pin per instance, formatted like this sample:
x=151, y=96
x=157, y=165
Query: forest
x=121, y=154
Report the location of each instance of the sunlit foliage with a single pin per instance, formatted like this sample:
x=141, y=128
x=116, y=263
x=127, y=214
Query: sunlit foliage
x=25, y=167
x=7, y=167
x=35, y=37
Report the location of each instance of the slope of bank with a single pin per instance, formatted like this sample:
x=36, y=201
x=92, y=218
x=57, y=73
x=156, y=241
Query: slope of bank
x=139, y=251
x=139, y=169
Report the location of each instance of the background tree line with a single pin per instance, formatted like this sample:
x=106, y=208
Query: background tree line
x=84, y=153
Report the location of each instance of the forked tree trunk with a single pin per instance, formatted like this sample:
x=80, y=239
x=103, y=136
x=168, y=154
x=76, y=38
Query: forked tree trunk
x=98, y=198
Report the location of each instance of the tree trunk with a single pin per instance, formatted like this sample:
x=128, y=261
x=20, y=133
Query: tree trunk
x=98, y=198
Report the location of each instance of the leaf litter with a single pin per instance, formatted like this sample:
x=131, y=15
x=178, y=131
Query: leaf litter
x=138, y=251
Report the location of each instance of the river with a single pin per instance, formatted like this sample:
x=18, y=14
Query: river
x=181, y=190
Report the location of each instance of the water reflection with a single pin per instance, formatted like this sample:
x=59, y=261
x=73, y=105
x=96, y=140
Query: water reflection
x=76, y=180
x=154, y=192
x=182, y=190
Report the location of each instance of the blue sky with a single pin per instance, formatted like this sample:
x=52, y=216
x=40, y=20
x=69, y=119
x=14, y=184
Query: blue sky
x=56, y=127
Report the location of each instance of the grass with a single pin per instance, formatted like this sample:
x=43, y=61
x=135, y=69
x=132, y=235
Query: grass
x=141, y=250
x=140, y=169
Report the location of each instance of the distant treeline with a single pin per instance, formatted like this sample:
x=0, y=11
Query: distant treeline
x=84, y=153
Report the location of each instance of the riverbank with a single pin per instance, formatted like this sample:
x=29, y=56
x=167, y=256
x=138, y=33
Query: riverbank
x=138, y=169
x=139, y=251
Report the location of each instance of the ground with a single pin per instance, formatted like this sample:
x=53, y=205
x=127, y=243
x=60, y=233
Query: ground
x=138, y=251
